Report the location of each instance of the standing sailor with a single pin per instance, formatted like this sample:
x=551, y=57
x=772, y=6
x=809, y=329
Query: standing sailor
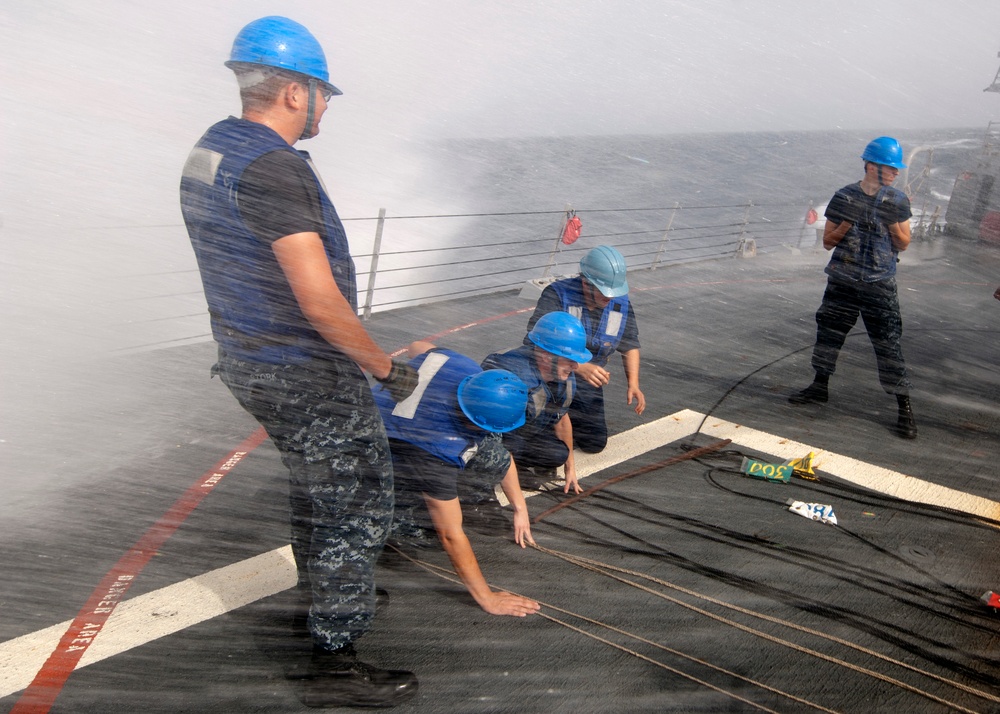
x=281, y=293
x=868, y=224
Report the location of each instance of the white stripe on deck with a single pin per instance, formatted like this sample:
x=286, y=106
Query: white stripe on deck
x=163, y=612
x=874, y=478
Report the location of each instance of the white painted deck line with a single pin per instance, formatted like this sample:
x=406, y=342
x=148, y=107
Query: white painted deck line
x=163, y=612
x=157, y=614
x=875, y=478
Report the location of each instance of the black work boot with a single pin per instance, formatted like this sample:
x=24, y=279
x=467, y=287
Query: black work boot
x=536, y=478
x=338, y=679
x=815, y=393
x=906, y=426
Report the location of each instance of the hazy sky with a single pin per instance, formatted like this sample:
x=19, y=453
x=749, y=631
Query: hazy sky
x=102, y=100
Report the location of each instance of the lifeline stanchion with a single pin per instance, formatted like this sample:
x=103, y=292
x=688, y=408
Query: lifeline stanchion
x=693, y=454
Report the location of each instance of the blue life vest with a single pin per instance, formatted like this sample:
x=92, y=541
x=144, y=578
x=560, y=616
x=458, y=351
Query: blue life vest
x=866, y=252
x=545, y=408
x=254, y=313
x=430, y=418
x=603, y=340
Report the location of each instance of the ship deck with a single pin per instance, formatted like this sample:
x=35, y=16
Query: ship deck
x=684, y=586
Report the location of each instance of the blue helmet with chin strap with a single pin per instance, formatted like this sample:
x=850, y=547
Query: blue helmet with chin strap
x=278, y=42
x=885, y=151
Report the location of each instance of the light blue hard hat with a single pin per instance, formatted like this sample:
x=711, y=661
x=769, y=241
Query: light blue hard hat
x=605, y=268
x=563, y=335
x=494, y=400
x=886, y=151
x=278, y=42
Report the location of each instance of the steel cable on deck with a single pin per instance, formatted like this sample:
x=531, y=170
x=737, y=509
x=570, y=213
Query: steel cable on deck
x=452, y=577
x=698, y=456
x=600, y=568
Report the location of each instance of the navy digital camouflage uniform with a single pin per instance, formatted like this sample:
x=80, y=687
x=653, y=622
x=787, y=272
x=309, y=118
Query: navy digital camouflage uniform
x=323, y=420
x=243, y=188
x=862, y=281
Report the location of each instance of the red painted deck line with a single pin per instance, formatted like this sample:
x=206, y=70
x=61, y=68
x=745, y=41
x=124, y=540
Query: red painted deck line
x=41, y=694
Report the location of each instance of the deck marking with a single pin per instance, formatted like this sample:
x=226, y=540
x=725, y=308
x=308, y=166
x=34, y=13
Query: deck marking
x=162, y=612
x=452, y=330
x=874, y=478
x=82, y=631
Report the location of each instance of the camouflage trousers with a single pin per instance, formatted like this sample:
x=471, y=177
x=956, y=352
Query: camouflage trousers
x=324, y=422
x=878, y=305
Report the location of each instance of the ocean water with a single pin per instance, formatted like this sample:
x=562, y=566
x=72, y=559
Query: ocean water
x=508, y=197
x=623, y=171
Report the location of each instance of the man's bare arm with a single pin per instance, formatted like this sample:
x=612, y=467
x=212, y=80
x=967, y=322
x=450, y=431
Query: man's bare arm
x=447, y=518
x=303, y=260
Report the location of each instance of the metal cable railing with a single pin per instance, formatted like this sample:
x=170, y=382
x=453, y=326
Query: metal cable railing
x=417, y=259
x=649, y=238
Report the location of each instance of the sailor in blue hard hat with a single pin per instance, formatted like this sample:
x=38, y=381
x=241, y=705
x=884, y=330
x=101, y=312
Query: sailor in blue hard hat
x=448, y=456
x=867, y=226
x=557, y=346
x=282, y=297
x=599, y=298
x=273, y=49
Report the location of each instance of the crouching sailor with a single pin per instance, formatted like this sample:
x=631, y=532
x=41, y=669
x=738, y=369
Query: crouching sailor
x=446, y=436
x=558, y=346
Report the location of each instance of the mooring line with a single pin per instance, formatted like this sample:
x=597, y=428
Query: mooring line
x=451, y=576
x=693, y=454
x=601, y=568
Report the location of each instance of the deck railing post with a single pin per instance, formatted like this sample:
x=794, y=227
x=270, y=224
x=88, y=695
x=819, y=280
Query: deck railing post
x=376, y=247
x=555, y=248
x=666, y=236
x=742, y=246
x=805, y=223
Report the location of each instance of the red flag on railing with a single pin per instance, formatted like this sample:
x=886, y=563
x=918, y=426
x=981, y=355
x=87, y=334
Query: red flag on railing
x=572, y=230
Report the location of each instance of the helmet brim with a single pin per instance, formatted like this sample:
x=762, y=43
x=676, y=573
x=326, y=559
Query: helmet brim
x=578, y=356
x=612, y=292
x=236, y=66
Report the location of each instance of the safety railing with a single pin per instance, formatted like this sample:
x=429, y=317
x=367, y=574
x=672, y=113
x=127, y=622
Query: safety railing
x=449, y=256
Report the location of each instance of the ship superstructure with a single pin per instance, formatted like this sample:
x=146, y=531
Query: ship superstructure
x=974, y=208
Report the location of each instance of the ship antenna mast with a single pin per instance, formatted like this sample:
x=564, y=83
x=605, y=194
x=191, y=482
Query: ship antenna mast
x=995, y=87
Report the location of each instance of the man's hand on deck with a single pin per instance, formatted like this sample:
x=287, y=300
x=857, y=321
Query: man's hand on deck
x=522, y=529
x=501, y=603
x=571, y=481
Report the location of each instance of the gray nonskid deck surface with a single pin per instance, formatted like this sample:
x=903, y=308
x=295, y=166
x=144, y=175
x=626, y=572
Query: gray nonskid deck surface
x=730, y=339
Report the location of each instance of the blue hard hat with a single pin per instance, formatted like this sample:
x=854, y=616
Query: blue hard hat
x=563, y=335
x=605, y=267
x=278, y=42
x=494, y=400
x=886, y=151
